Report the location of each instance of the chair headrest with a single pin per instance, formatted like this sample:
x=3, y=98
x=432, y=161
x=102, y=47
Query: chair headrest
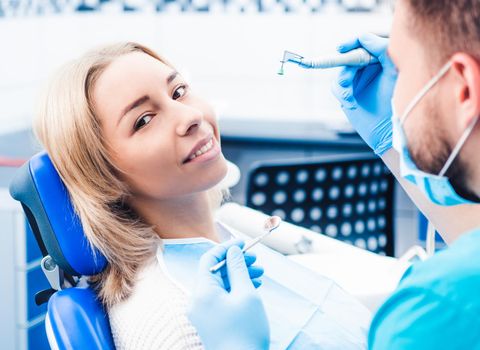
x=56, y=226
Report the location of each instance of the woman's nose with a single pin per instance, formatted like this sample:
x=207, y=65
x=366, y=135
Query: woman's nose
x=190, y=120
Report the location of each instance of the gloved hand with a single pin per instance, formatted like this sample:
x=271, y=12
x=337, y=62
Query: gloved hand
x=228, y=317
x=254, y=271
x=365, y=93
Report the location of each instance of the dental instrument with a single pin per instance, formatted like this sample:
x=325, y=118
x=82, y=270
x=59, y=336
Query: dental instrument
x=270, y=224
x=357, y=57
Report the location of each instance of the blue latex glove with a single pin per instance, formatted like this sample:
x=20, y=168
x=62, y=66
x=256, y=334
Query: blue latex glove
x=365, y=93
x=254, y=271
x=228, y=317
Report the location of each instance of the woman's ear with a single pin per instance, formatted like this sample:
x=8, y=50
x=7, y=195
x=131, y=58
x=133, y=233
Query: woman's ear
x=467, y=88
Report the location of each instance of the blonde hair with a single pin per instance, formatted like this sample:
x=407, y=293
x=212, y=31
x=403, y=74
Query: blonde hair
x=68, y=128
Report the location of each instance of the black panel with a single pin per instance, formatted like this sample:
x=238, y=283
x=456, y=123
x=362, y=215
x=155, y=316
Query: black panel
x=347, y=197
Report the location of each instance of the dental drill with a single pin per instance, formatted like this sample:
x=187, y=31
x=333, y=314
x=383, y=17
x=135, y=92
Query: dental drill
x=357, y=57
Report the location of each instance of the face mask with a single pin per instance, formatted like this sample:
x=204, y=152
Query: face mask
x=437, y=188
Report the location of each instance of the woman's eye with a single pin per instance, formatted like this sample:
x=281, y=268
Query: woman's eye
x=142, y=121
x=179, y=92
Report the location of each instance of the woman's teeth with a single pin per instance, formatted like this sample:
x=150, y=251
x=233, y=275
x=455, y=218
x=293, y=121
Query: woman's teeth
x=208, y=146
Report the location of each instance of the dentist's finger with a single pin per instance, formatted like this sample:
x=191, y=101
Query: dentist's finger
x=250, y=257
x=218, y=253
x=238, y=275
x=374, y=44
x=255, y=271
x=257, y=282
x=349, y=45
x=342, y=88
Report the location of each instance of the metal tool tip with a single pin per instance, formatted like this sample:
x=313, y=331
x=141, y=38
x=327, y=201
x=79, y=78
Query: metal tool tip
x=280, y=71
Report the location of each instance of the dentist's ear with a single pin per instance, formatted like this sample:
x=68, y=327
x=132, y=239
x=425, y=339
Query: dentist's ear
x=467, y=88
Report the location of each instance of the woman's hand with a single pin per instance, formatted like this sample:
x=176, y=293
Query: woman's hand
x=226, y=309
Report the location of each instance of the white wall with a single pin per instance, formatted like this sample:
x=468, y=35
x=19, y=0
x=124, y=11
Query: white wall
x=232, y=59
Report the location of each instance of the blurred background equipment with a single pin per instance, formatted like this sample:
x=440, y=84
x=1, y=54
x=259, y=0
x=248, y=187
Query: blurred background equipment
x=348, y=197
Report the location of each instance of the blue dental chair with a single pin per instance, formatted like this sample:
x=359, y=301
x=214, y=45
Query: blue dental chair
x=75, y=318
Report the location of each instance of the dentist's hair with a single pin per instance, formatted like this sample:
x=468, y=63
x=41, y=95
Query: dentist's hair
x=447, y=26
x=69, y=129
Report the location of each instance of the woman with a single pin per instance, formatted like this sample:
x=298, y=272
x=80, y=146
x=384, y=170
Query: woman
x=140, y=154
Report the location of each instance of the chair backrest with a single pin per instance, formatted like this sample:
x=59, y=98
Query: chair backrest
x=76, y=317
x=348, y=197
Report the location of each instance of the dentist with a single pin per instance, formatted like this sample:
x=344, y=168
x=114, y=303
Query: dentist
x=419, y=110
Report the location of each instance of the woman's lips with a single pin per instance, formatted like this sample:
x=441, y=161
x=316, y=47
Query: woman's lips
x=197, y=148
x=208, y=151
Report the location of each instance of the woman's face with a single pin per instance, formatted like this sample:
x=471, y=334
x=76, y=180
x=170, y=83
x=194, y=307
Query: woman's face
x=163, y=136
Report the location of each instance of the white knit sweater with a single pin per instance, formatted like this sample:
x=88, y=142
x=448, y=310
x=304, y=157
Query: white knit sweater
x=154, y=316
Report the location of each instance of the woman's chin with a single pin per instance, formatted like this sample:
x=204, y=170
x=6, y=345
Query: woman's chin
x=212, y=176
x=220, y=173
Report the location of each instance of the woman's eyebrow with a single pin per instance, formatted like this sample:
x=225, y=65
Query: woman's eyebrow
x=138, y=102
x=172, y=76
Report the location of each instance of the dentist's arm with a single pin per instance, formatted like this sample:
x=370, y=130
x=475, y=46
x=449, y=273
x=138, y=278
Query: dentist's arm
x=229, y=315
x=365, y=95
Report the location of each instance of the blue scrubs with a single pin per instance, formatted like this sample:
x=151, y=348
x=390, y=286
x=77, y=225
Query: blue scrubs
x=437, y=303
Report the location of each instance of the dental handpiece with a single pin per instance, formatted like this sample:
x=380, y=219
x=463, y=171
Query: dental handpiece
x=357, y=57
x=271, y=224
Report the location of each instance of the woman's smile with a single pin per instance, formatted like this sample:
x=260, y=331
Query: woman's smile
x=204, y=151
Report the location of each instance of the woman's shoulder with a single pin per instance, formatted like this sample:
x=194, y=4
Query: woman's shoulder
x=154, y=315
x=150, y=295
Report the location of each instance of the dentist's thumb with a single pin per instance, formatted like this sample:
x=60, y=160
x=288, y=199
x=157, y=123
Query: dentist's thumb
x=378, y=47
x=375, y=44
x=237, y=271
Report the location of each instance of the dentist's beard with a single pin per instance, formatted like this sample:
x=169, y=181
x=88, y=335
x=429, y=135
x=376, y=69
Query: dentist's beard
x=458, y=175
x=431, y=153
